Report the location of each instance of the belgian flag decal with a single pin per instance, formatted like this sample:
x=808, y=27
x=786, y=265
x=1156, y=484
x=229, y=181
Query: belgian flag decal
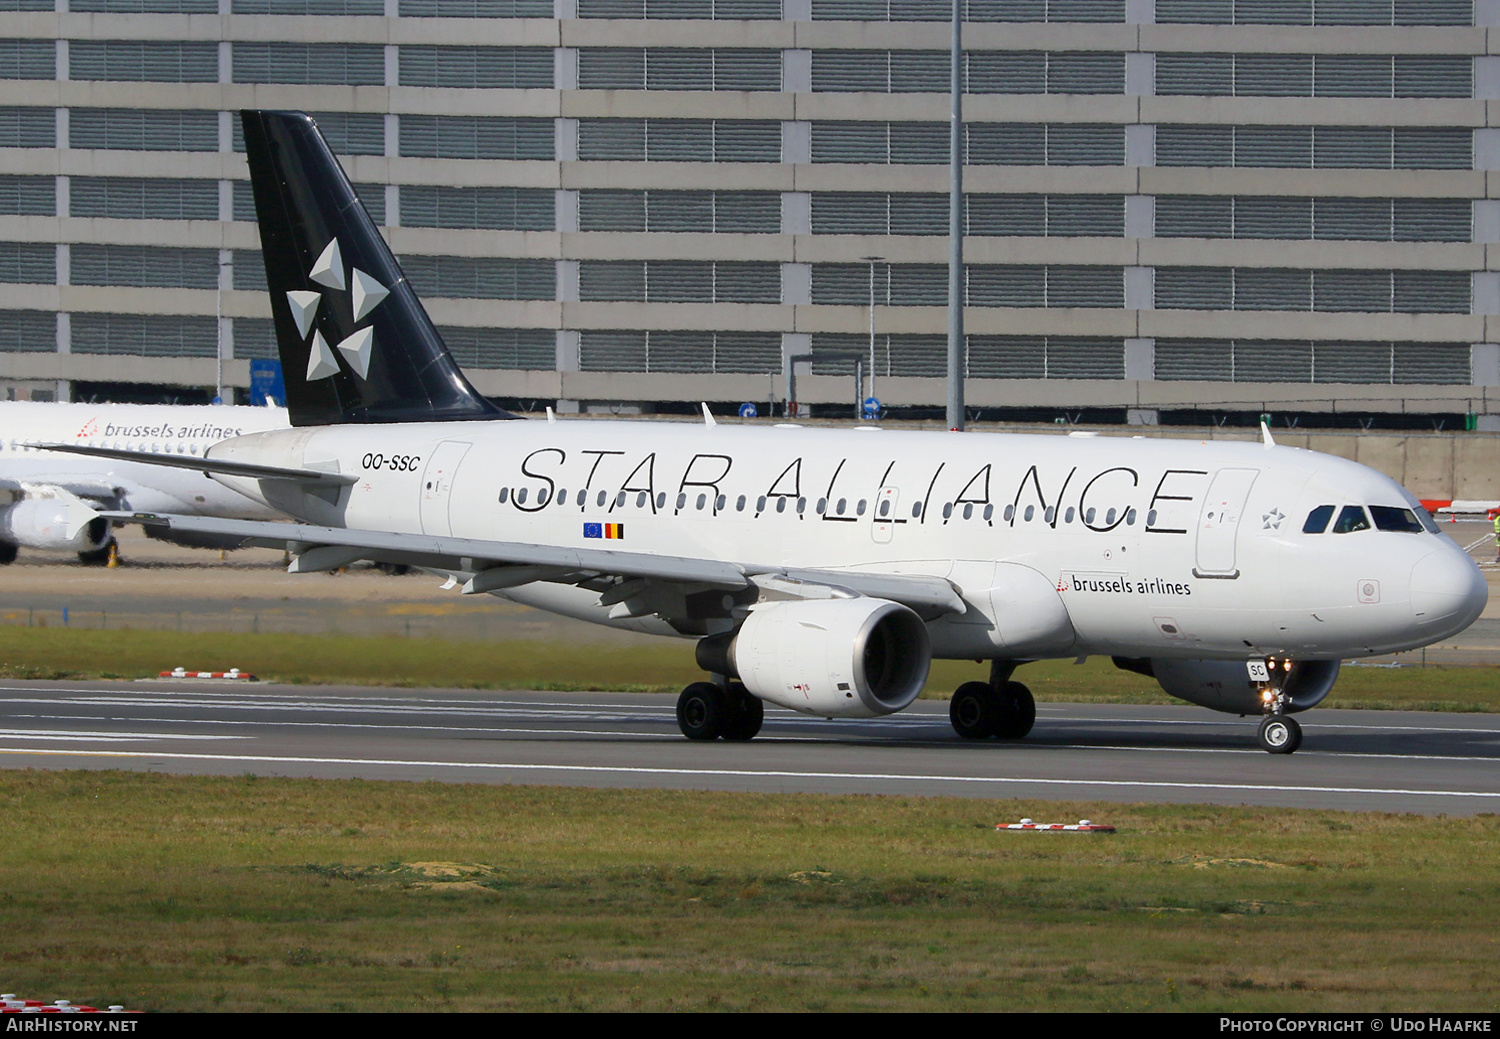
x=609, y=531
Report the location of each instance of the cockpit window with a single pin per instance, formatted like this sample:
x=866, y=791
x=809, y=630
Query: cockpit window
x=1352, y=518
x=1317, y=520
x=1399, y=520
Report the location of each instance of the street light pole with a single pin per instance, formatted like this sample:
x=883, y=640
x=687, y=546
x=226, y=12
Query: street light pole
x=956, y=231
x=872, y=260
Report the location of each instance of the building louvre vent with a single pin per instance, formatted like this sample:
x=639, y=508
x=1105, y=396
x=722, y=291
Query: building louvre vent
x=255, y=337
x=1430, y=363
x=156, y=61
x=508, y=209
x=1352, y=219
x=526, y=349
x=1194, y=74
x=1352, y=147
x=28, y=196
x=347, y=133
x=1366, y=291
x=338, y=8
x=29, y=59
x=1352, y=362
x=1256, y=361
x=492, y=68
x=1070, y=144
x=1006, y=144
x=678, y=68
x=147, y=335
x=1317, y=12
x=1431, y=292
x=850, y=142
x=1007, y=357
x=1257, y=216
x=1273, y=75
x=28, y=127
x=1193, y=360
x=1194, y=288
x=698, y=352
x=1006, y=286
x=144, y=198
x=127, y=6
x=483, y=277
x=1211, y=146
x=30, y=5
x=602, y=351
x=1083, y=357
x=1194, y=216
x=476, y=137
x=1101, y=216
x=723, y=212
x=1284, y=146
x=28, y=331
x=746, y=140
x=135, y=129
x=1270, y=288
x=1354, y=75
x=1004, y=72
x=1078, y=286
x=974, y=10
x=151, y=266
x=28, y=263
x=851, y=71
x=1420, y=75
x=249, y=274
x=476, y=8
x=605, y=210
x=354, y=64
x=1432, y=220
x=915, y=143
x=1007, y=215
x=617, y=140
x=1433, y=148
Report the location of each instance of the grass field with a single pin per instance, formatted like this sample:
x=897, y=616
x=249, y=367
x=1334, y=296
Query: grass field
x=185, y=893
x=665, y=667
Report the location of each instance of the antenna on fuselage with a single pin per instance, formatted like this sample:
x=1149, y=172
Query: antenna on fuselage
x=1265, y=435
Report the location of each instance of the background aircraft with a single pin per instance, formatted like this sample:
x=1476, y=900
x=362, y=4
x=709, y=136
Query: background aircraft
x=54, y=499
x=818, y=569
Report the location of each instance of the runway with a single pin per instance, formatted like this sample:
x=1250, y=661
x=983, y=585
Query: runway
x=1356, y=760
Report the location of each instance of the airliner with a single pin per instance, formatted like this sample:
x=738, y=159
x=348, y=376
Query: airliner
x=821, y=570
x=55, y=500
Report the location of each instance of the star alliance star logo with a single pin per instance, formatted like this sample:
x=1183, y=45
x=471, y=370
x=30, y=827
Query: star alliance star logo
x=367, y=293
x=1272, y=520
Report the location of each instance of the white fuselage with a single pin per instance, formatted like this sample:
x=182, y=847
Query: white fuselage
x=1059, y=545
x=151, y=429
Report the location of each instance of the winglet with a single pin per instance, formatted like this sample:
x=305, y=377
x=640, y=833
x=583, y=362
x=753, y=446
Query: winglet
x=1265, y=435
x=708, y=416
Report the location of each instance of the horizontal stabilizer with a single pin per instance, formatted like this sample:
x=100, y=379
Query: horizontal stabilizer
x=207, y=465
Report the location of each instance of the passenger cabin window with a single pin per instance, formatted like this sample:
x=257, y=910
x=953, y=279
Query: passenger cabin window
x=1317, y=520
x=1399, y=520
x=1352, y=518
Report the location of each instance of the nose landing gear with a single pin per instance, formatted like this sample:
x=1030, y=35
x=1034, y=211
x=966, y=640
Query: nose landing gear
x=1278, y=733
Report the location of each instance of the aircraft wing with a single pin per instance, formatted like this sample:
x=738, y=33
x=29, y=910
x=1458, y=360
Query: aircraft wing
x=95, y=488
x=502, y=564
x=209, y=465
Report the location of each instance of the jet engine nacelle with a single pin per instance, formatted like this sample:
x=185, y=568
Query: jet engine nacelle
x=53, y=523
x=836, y=658
x=1224, y=685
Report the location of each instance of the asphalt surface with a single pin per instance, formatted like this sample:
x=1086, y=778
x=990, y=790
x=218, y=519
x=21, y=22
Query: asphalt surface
x=1357, y=760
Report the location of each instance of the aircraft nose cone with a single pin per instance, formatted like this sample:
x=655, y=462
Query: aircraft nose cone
x=1448, y=588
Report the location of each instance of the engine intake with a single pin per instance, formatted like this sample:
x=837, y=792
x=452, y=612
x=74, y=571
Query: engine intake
x=836, y=658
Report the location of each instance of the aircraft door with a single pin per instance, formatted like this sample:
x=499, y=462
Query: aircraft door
x=1219, y=522
x=437, y=486
x=884, y=523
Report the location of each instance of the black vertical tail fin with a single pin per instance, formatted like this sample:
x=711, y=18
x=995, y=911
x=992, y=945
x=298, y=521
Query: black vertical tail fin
x=355, y=343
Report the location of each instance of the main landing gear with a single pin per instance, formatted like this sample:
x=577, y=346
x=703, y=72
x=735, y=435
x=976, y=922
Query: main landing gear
x=998, y=707
x=706, y=711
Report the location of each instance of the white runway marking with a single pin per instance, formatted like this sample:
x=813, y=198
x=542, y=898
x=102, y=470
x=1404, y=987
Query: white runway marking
x=756, y=774
x=83, y=734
